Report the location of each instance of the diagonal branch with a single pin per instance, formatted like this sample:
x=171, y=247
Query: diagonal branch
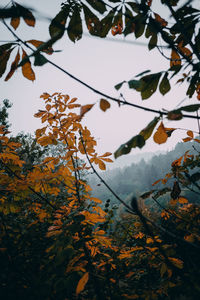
x=165, y=113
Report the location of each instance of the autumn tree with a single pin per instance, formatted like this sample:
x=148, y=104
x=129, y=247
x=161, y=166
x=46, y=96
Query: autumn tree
x=148, y=258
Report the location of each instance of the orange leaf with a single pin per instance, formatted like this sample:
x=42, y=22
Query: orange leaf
x=15, y=22
x=101, y=164
x=189, y=238
x=82, y=282
x=106, y=154
x=104, y=104
x=149, y=240
x=13, y=66
x=187, y=139
x=160, y=135
x=177, y=162
x=85, y=109
x=175, y=59
x=190, y=133
x=177, y=262
x=182, y=200
x=27, y=71
x=156, y=182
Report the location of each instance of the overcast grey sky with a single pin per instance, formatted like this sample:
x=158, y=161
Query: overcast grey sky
x=100, y=63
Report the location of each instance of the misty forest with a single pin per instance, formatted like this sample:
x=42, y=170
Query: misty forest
x=75, y=224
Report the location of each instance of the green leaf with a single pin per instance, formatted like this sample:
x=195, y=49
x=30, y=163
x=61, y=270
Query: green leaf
x=153, y=41
x=4, y=60
x=106, y=24
x=190, y=108
x=147, y=131
x=134, y=84
x=75, y=29
x=149, y=85
x=139, y=21
x=98, y=5
x=5, y=47
x=57, y=26
x=195, y=177
x=40, y=60
x=192, y=86
x=92, y=22
x=135, y=7
x=164, y=85
x=144, y=72
x=136, y=141
x=119, y=85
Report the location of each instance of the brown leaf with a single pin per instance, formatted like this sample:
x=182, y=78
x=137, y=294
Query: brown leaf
x=160, y=20
x=29, y=19
x=160, y=135
x=104, y=104
x=82, y=282
x=85, y=109
x=37, y=44
x=4, y=60
x=13, y=66
x=15, y=22
x=175, y=59
x=27, y=71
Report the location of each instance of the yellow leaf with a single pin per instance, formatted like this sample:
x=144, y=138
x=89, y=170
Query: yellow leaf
x=104, y=104
x=160, y=135
x=149, y=240
x=82, y=282
x=15, y=22
x=27, y=71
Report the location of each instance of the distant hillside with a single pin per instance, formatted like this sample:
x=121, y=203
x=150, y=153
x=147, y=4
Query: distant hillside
x=127, y=160
x=136, y=173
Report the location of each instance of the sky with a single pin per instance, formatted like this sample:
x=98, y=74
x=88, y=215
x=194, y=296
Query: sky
x=101, y=63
